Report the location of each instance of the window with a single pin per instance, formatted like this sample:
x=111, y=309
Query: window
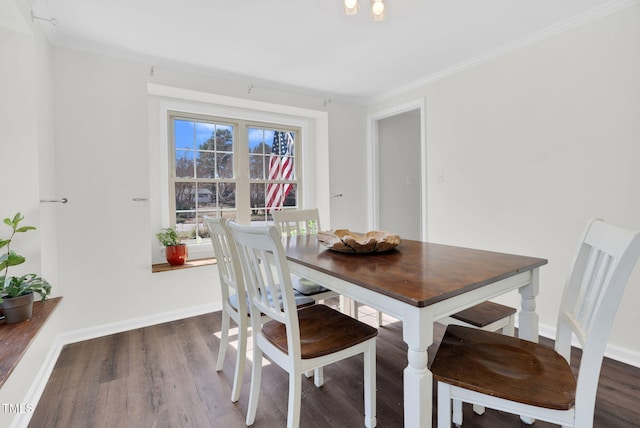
x=229, y=168
x=311, y=154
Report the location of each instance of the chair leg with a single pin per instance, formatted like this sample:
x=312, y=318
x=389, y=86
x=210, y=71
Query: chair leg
x=352, y=308
x=527, y=420
x=295, y=399
x=241, y=359
x=370, y=420
x=509, y=329
x=457, y=412
x=444, y=405
x=224, y=340
x=478, y=409
x=318, y=377
x=256, y=377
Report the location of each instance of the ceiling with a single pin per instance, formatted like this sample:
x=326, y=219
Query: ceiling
x=311, y=44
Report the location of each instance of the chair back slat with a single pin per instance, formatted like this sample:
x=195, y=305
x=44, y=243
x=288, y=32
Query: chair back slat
x=595, y=286
x=229, y=269
x=267, y=277
x=598, y=276
x=603, y=264
x=297, y=222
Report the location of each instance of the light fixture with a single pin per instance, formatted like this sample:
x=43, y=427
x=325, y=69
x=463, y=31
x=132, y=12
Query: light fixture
x=351, y=7
x=377, y=8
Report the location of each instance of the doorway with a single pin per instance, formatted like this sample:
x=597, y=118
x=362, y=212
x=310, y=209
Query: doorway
x=397, y=168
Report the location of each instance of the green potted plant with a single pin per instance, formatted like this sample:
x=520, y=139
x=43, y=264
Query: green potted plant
x=175, y=251
x=16, y=292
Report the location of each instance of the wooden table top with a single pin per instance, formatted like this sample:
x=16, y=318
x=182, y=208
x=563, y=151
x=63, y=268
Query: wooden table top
x=417, y=273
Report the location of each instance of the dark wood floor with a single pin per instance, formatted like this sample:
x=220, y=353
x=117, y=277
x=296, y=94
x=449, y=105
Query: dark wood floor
x=164, y=376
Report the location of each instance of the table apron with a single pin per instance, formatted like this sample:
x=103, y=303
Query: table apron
x=399, y=309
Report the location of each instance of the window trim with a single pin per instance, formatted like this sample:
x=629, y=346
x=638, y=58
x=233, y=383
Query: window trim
x=241, y=154
x=314, y=131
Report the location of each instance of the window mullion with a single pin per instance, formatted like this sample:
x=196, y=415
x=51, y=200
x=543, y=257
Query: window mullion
x=241, y=173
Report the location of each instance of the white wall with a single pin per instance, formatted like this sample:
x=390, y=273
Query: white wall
x=26, y=140
x=102, y=162
x=85, y=118
x=534, y=144
x=18, y=143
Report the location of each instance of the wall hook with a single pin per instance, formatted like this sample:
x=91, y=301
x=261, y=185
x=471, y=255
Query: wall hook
x=51, y=21
x=61, y=201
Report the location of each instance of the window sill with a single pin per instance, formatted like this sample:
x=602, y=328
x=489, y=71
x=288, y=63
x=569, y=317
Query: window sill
x=165, y=267
x=16, y=338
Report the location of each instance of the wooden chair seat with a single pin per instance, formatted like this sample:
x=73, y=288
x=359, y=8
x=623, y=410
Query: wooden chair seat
x=323, y=331
x=489, y=316
x=504, y=366
x=484, y=314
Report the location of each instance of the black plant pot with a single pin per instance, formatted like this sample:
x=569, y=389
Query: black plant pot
x=17, y=309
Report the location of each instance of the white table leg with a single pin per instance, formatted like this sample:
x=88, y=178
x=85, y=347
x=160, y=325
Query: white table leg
x=418, y=380
x=528, y=318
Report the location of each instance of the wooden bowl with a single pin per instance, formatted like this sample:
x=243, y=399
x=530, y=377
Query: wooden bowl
x=345, y=241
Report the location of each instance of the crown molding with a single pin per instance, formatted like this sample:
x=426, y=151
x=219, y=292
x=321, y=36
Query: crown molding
x=158, y=63
x=602, y=11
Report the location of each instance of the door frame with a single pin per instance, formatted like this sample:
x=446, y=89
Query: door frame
x=373, y=156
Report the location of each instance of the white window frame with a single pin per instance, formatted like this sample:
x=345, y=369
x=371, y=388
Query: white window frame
x=241, y=161
x=314, y=162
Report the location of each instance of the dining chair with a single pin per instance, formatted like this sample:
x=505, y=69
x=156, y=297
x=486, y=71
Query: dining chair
x=307, y=222
x=533, y=380
x=302, y=222
x=234, y=307
x=296, y=339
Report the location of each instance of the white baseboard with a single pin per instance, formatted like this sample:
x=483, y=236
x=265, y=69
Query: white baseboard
x=120, y=326
x=37, y=387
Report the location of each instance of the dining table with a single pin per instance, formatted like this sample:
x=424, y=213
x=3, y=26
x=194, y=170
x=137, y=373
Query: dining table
x=419, y=283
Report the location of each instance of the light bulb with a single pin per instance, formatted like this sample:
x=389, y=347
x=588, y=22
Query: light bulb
x=350, y=7
x=377, y=10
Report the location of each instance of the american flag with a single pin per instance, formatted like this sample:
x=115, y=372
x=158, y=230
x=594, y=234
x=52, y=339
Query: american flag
x=280, y=168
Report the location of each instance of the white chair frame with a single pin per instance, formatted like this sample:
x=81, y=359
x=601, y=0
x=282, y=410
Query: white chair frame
x=233, y=306
x=296, y=223
x=232, y=283
x=266, y=270
x=603, y=263
x=306, y=222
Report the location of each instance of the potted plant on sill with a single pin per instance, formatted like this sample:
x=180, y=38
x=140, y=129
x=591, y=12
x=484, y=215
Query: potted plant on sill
x=16, y=292
x=175, y=251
